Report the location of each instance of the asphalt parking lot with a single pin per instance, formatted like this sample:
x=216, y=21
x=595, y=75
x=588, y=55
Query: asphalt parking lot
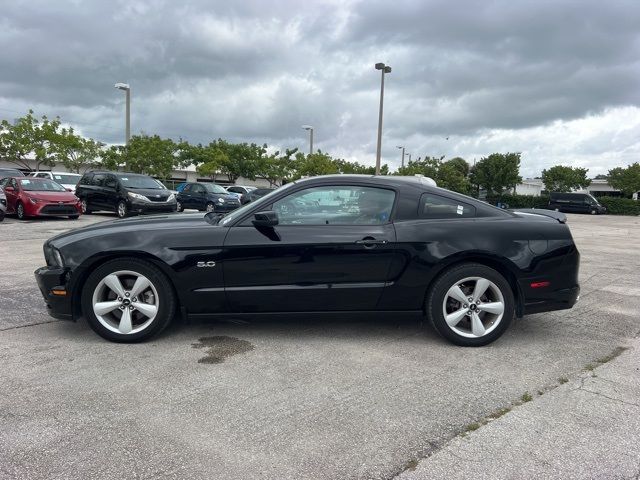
x=318, y=397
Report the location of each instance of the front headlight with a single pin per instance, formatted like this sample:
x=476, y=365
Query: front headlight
x=52, y=256
x=137, y=196
x=171, y=198
x=220, y=200
x=34, y=200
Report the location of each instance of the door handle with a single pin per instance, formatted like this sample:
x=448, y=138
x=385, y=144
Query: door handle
x=370, y=242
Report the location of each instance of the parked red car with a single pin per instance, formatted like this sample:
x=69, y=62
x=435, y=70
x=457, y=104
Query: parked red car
x=39, y=197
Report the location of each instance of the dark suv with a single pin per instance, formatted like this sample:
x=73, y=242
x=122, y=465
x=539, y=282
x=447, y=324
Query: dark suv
x=207, y=196
x=123, y=193
x=576, y=203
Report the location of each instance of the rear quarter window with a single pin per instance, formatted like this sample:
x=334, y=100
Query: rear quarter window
x=437, y=206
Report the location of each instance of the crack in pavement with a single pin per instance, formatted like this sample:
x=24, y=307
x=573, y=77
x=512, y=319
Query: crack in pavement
x=28, y=325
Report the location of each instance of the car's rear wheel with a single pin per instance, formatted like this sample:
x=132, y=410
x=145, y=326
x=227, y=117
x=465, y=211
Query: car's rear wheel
x=128, y=300
x=74, y=217
x=470, y=305
x=20, y=211
x=121, y=209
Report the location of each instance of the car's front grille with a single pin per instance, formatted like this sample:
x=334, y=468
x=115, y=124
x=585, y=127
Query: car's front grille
x=59, y=210
x=161, y=198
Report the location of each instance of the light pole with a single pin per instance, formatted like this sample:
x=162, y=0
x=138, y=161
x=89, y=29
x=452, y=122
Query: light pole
x=402, y=162
x=385, y=69
x=409, y=158
x=309, y=128
x=127, y=89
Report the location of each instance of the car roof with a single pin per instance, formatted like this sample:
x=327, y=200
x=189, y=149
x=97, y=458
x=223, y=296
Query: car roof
x=383, y=179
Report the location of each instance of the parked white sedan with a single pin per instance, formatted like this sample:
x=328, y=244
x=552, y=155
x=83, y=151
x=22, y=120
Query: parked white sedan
x=66, y=179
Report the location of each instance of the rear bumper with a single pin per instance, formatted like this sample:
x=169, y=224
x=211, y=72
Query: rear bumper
x=55, y=279
x=562, y=300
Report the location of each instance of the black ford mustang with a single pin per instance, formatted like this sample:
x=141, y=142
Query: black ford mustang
x=325, y=244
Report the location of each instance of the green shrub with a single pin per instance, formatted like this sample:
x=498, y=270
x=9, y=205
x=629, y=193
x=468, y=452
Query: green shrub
x=620, y=206
x=520, y=201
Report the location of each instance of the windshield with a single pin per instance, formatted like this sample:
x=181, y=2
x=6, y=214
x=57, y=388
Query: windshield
x=262, y=201
x=41, y=185
x=213, y=188
x=66, y=179
x=139, y=181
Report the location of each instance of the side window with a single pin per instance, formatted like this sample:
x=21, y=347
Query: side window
x=110, y=181
x=98, y=179
x=42, y=175
x=186, y=188
x=235, y=189
x=336, y=205
x=436, y=206
x=197, y=189
x=86, y=179
x=13, y=183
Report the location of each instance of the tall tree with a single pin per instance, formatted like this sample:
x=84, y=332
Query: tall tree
x=276, y=168
x=497, y=173
x=565, y=179
x=29, y=139
x=152, y=155
x=314, y=164
x=76, y=153
x=208, y=158
x=112, y=157
x=449, y=175
x=626, y=179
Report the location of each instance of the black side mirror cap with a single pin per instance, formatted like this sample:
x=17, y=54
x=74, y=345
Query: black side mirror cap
x=268, y=218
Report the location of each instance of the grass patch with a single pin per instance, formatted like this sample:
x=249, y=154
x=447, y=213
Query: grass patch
x=526, y=397
x=498, y=413
x=472, y=427
x=589, y=367
x=563, y=380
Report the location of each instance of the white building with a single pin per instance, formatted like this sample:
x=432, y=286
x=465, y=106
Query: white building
x=534, y=187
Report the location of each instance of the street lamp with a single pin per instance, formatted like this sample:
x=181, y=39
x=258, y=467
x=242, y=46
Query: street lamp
x=384, y=69
x=310, y=129
x=127, y=89
x=402, y=162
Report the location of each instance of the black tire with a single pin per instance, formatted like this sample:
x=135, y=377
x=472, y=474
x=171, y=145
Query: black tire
x=437, y=296
x=210, y=207
x=121, y=209
x=74, y=217
x=20, y=211
x=179, y=207
x=2, y=214
x=85, y=207
x=166, y=299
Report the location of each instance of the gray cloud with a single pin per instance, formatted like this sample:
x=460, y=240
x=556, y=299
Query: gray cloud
x=484, y=74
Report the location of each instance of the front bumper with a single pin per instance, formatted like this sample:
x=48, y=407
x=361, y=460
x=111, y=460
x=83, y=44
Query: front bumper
x=152, y=207
x=52, y=209
x=52, y=282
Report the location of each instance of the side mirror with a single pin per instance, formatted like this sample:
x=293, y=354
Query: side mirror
x=8, y=189
x=268, y=218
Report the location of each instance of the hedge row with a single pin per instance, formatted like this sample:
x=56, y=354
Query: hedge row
x=520, y=201
x=615, y=205
x=620, y=206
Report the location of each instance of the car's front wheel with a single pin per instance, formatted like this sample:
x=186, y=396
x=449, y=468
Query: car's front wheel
x=179, y=207
x=128, y=300
x=20, y=211
x=85, y=207
x=470, y=305
x=121, y=209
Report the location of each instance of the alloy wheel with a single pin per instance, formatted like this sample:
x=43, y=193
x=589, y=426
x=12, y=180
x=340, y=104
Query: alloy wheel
x=473, y=307
x=122, y=209
x=210, y=207
x=20, y=211
x=125, y=302
x=83, y=205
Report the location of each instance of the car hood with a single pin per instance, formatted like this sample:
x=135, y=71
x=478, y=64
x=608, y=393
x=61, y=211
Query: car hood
x=53, y=196
x=147, y=224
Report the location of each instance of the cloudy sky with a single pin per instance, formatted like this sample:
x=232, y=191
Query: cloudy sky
x=556, y=80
